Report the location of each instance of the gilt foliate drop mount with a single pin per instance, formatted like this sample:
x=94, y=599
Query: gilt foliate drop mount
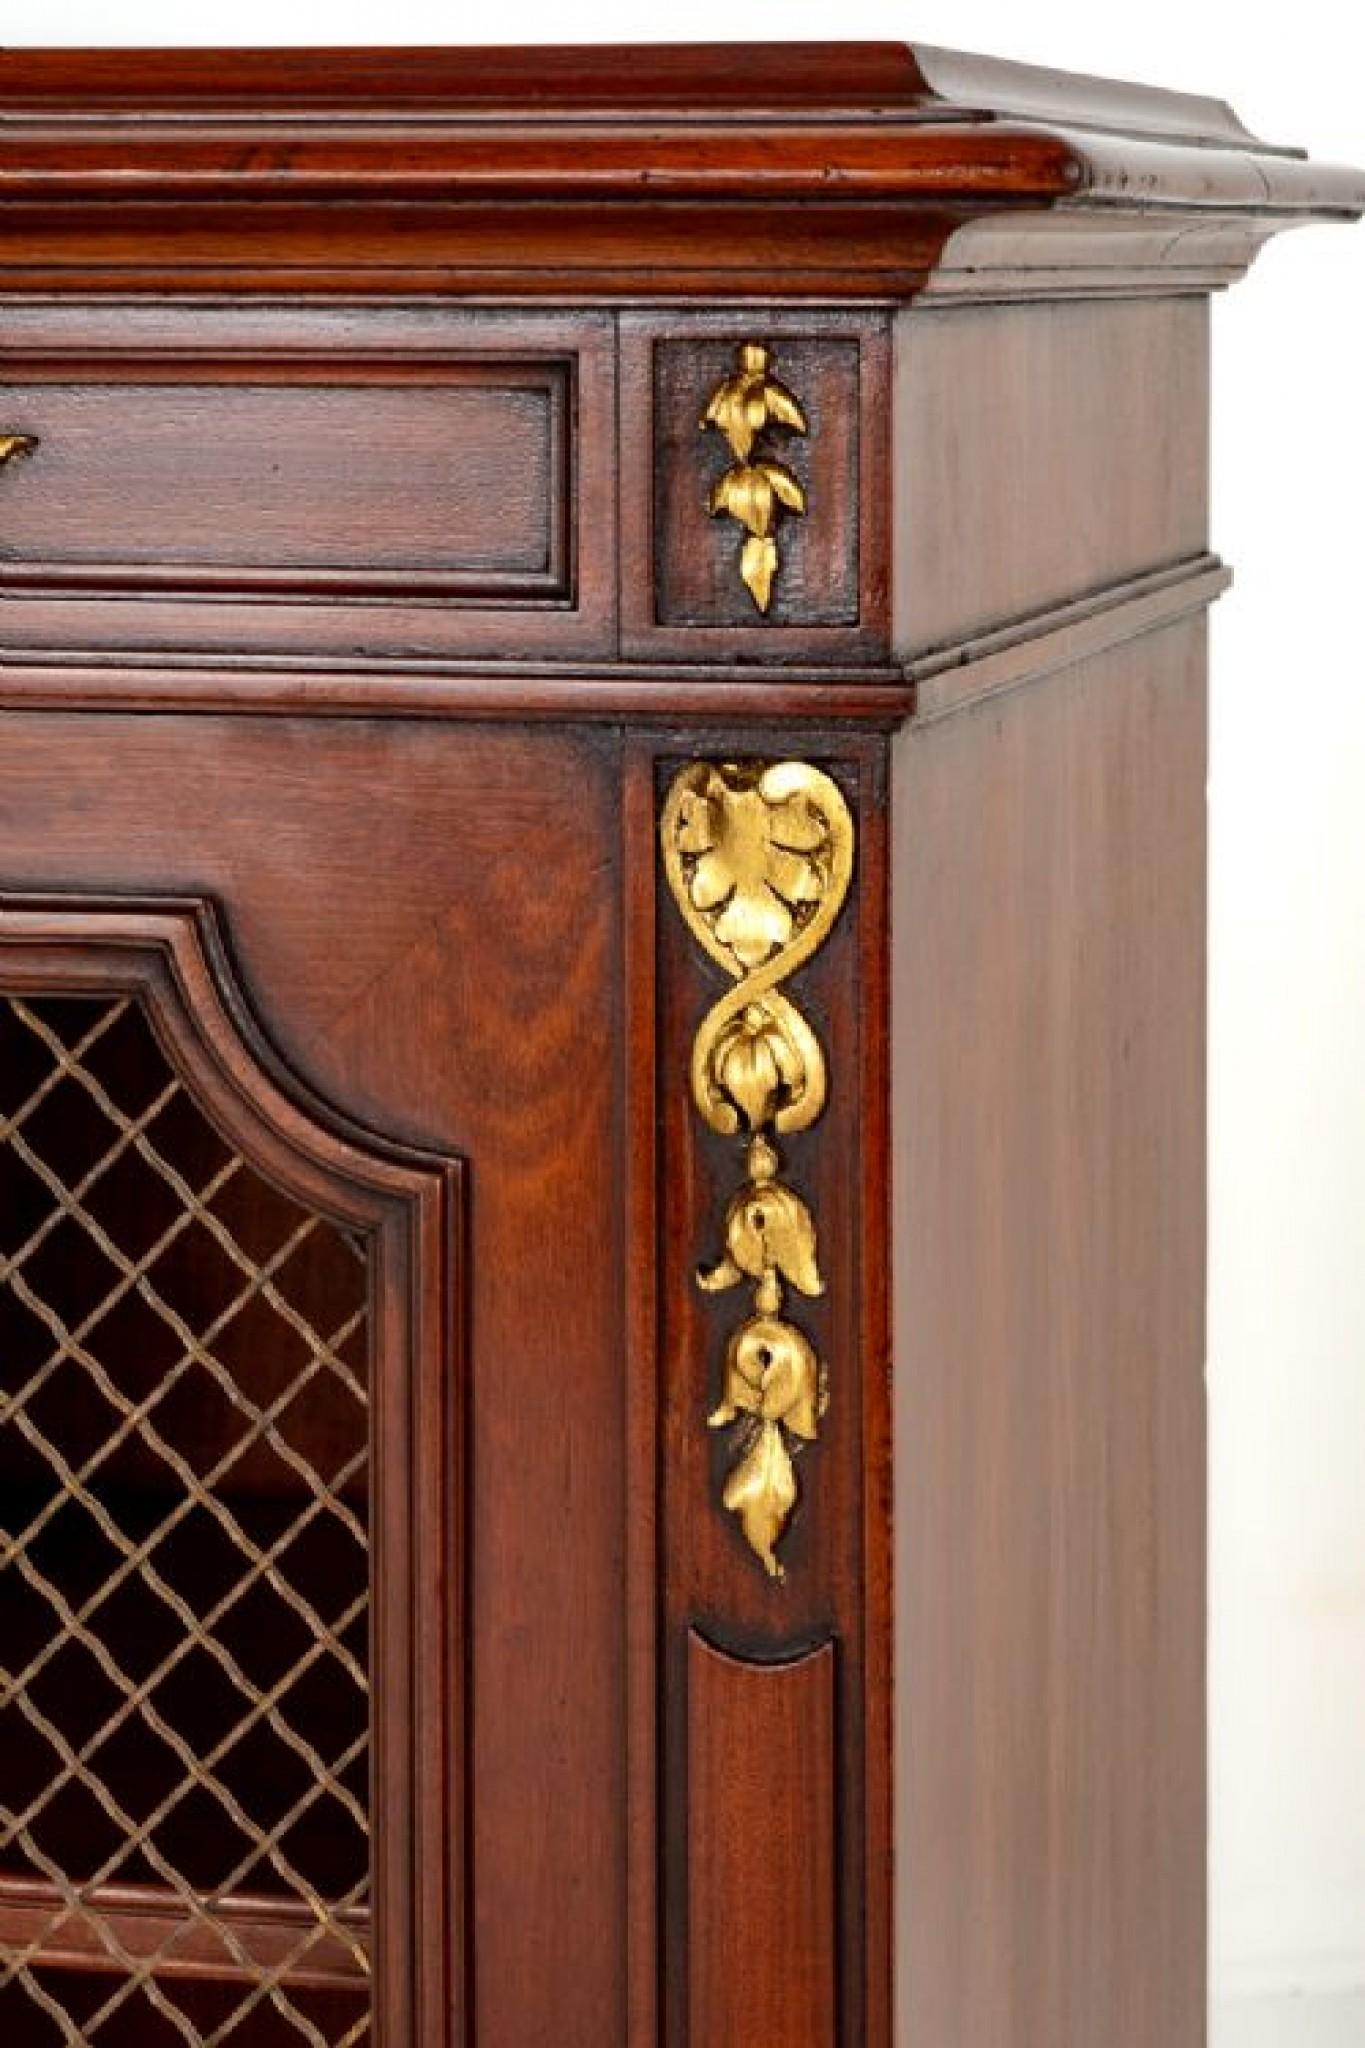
x=759, y=858
x=757, y=490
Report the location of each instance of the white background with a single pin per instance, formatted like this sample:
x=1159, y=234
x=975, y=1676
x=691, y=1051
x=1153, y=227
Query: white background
x=1287, y=1310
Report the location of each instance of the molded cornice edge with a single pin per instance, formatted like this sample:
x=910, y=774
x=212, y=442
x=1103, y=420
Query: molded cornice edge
x=849, y=171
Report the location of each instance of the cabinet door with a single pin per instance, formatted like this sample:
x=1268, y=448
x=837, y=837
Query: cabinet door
x=221, y=1383
x=311, y=1438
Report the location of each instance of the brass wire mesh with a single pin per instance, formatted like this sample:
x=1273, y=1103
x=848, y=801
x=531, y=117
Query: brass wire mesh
x=184, y=1689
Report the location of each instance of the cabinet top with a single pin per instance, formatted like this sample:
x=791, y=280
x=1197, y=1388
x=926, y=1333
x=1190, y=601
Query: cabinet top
x=794, y=169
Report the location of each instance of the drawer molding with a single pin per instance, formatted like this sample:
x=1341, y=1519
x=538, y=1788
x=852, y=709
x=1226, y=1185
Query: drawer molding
x=446, y=479
x=312, y=487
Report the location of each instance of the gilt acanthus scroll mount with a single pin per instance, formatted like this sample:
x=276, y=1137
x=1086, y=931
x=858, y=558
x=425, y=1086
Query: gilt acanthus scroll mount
x=759, y=858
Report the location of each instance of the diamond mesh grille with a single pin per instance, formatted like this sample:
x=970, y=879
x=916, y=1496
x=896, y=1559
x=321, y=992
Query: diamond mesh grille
x=184, y=1687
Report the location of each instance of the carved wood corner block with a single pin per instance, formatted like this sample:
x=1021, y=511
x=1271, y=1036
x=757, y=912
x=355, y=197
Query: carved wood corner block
x=759, y=858
x=752, y=464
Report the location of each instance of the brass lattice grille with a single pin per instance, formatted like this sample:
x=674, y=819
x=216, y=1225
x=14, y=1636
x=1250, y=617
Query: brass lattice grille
x=184, y=1685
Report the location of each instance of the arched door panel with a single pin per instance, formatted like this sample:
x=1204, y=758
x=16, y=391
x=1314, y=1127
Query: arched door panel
x=228, y=1446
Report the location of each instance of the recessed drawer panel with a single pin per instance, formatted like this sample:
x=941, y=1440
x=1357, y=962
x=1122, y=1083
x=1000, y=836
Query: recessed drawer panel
x=366, y=500
x=453, y=484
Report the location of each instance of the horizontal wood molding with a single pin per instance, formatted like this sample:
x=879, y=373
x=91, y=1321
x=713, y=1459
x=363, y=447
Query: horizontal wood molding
x=610, y=171
x=512, y=691
x=957, y=678
x=259, y=1933
x=947, y=680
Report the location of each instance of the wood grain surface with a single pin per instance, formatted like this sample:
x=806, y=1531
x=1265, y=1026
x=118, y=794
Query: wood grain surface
x=616, y=171
x=1058, y=450
x=373, y=483
x=361, y=593
x=383, y=889
x=837, y=1549
x=1048, y=1049
x=762, y=1900
x=443, y=480
x=682, y=598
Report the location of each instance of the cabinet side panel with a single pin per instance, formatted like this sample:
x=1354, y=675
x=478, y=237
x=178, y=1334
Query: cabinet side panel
x=1048, y=1007
x=1043, y=452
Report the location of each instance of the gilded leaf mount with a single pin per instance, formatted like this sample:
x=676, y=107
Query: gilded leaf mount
x=759, y=859
x=757, y=490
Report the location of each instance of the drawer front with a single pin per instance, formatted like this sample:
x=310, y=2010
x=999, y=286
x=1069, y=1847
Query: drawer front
x=374, y=497
x=450, y=479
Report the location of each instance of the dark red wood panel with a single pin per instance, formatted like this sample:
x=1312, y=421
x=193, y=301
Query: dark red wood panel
x=696, y=560
x=762, y=1910
x=357, y=483
x=432, y=480
x=1048, y=1048
x=426, y=920
x=1016, y=423
x=837, y=1545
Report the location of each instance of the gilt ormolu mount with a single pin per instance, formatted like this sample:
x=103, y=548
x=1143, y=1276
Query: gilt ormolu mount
x=756, y=488
x=759, y=860
x=545, y=761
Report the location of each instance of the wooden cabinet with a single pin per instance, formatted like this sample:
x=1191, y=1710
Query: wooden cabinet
x=602, y=760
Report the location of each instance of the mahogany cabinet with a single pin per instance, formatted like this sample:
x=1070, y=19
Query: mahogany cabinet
x=602, y=757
